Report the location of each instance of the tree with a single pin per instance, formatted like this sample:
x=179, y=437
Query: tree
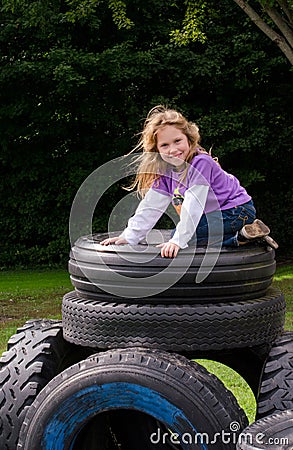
x=76, y=83
x=275, y=19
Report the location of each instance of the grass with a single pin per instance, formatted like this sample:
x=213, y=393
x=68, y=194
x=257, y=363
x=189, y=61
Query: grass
x=29, y=294
x=284, y=281
x=236, y=384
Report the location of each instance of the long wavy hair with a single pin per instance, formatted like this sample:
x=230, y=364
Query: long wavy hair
x=150, y=165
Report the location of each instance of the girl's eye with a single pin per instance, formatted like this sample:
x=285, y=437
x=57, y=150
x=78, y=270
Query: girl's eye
x=178, y=140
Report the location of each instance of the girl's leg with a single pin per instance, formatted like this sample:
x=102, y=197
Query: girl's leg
x=223, y=226
x=235, y=218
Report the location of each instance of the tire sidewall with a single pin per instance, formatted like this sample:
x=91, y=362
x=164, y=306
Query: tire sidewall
x=139, y=272
x=63, y=408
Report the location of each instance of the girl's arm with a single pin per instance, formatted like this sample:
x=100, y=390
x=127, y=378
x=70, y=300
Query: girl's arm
x=149, y=210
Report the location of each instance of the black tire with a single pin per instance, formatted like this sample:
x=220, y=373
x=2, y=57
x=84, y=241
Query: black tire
x=35, y=354
x=276, y=390
x=182, y=396
x=173, y=327
x=274, y=432
x=239, y=274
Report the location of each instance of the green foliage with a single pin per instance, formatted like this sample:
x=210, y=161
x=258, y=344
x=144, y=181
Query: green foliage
x=120, y=18
x=192, y=24
x=80, y=10
x=274, y=3
x=76, y=84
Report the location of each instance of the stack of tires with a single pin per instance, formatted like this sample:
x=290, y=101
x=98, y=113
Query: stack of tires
x=118, y=372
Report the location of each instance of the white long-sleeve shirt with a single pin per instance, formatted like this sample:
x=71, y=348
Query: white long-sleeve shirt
x=155, y=203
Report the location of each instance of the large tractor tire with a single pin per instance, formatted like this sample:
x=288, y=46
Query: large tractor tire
x=191, y=407
x=276, y=389
x=180, y=328
x=138, y=274
x=35, y=355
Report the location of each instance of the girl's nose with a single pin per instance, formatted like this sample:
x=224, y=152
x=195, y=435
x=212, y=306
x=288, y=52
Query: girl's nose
x=173, y=149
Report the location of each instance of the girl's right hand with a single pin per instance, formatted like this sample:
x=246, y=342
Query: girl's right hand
x=114, y=240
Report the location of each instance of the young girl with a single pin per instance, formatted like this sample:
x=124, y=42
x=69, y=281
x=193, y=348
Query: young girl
x=212, y=205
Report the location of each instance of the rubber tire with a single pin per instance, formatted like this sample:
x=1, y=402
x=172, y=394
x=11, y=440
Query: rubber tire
x=276, y=389
x=274, y=432
x=35, y=354
x=173, y=327
x=180, y=394
x=239, y=274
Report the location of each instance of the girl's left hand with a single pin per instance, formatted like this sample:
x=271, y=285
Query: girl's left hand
x=169, y=250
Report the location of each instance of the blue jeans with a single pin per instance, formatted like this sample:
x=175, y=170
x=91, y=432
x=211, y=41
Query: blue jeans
x=221, y=227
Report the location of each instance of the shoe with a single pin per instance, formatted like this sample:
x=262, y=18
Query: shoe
x=255, y=230
x=270, y=241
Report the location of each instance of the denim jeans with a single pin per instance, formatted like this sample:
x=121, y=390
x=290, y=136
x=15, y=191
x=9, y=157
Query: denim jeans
x=221, y=227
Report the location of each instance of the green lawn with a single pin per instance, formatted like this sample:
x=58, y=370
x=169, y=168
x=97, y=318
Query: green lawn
x=29, y=294
x=284, y=281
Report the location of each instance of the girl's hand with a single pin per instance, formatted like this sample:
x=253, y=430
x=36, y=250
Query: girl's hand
x=169, y=250
x=114, y=240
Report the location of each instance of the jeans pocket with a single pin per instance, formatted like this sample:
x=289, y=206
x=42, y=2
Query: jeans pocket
x=245, y=214
x=249, y=210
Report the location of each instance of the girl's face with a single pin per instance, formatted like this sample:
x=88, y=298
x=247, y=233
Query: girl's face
x=172, y=145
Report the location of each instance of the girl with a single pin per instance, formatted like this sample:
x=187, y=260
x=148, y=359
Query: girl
x=213, y=207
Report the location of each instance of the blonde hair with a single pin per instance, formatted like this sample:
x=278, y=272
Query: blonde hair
x=149, y=163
